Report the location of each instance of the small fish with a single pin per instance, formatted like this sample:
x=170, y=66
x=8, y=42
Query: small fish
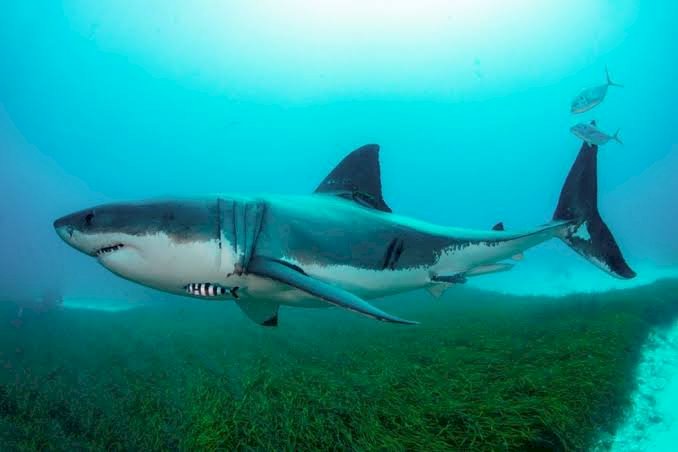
x=592, y=135
x=590, y=97
x=210, y=290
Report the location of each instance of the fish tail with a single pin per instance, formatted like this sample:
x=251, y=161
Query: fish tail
x=609, y=80
x=615, y=137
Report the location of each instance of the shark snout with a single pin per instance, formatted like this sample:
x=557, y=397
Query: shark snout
x=65, y=225
x=91, y=231
x=64, y=228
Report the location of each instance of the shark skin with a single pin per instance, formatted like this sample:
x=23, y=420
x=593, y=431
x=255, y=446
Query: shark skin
x=339, y=246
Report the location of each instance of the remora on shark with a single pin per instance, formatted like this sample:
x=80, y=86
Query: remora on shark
x=337, y=247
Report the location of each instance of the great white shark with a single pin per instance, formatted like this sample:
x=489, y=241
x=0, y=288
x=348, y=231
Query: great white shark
x=339, y=246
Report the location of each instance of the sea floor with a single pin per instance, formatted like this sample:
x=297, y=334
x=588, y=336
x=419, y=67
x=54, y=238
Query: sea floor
x=483, y=371
x=652, y=422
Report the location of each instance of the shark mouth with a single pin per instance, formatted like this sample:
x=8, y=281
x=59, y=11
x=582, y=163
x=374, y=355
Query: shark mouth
x=108, y=249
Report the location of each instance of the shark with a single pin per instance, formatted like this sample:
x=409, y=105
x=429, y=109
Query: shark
x=340, y=246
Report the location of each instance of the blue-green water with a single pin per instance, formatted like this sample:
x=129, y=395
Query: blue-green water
x=111, y=101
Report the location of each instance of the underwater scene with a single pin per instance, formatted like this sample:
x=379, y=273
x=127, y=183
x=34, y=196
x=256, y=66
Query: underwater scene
x=339, y=225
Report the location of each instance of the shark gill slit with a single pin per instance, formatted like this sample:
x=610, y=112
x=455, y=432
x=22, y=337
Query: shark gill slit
x=219, y=227
x=259, y=212
x=235, y=229
x=219, y=233
x=247, y=247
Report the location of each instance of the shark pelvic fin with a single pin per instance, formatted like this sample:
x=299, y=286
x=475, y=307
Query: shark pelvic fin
x=262, y=312
x=357, y=178
x=437, y=290
x=443, y=282
x=295, y=277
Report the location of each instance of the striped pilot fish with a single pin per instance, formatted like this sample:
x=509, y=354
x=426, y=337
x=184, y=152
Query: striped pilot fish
x=210, y=290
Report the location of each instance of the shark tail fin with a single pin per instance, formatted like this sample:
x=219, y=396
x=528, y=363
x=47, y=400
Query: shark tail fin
x=584, y=230
x=616, y=138
x=609, y=80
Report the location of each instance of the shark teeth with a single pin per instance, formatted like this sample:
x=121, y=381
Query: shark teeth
x=109, y=249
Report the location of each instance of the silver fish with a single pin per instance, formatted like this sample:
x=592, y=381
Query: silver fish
x=592, y=135
x=590, y=97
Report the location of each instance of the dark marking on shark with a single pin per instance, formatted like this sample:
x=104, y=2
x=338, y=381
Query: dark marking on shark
x=389, y=252
x=398, y=252
x=393, y=252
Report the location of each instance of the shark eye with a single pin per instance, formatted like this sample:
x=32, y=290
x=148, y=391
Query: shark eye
x=88, y=219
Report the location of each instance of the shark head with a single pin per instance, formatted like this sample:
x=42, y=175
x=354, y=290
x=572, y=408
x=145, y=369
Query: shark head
x=161, y=244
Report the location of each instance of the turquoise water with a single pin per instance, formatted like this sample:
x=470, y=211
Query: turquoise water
x=469, y=100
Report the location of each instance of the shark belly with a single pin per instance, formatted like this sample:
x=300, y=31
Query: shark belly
x=370, y=283
x=461, y=259
x=366, y=283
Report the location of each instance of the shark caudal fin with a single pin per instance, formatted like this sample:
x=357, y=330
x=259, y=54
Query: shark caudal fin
x=587, y=234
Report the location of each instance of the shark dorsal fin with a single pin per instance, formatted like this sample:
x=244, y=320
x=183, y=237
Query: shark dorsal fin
x=498, y=227
x=357, y=177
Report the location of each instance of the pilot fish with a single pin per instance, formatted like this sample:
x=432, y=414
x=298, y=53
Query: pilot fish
x=592, y=135
x=590, y=97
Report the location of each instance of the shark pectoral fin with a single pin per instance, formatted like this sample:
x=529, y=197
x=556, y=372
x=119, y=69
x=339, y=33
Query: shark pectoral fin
x=260, y=311
x=490, y=268
x=295, y=277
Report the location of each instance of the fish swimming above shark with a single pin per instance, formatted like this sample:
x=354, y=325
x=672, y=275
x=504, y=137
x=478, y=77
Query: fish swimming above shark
x=339, y=246
x=591, y=97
